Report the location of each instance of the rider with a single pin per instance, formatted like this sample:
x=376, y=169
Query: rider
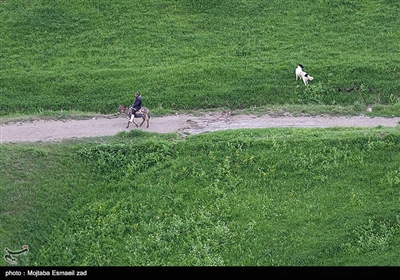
x=138, y=103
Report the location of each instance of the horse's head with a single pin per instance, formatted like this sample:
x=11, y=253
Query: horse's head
x=124, y=109
x=121, y=109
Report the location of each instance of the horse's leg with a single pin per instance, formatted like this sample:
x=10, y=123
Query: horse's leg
x=143, y=118
x=132, y=120
x=129, y=122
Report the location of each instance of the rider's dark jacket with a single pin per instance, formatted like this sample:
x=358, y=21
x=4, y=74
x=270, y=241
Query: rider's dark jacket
x=138, y=103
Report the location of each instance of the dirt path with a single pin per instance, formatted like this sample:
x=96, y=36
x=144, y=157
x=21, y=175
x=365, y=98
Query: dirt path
x=51, y=130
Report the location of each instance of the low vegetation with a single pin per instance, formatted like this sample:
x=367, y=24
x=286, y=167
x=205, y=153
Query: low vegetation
x=266, y=197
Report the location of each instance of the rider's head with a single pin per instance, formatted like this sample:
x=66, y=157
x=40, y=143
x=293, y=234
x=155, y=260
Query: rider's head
x=137, y=94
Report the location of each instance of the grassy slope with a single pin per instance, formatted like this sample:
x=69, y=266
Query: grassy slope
x=248, y=197
x=90, y=56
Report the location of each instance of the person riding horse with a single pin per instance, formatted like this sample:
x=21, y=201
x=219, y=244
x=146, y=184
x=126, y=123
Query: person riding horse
x=137, y=105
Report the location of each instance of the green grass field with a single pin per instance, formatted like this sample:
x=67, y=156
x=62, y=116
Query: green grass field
x=266, y=197
x=181, y=55
x=249, y=197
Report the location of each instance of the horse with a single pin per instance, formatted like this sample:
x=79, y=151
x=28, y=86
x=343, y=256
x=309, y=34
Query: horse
x=143, y=113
